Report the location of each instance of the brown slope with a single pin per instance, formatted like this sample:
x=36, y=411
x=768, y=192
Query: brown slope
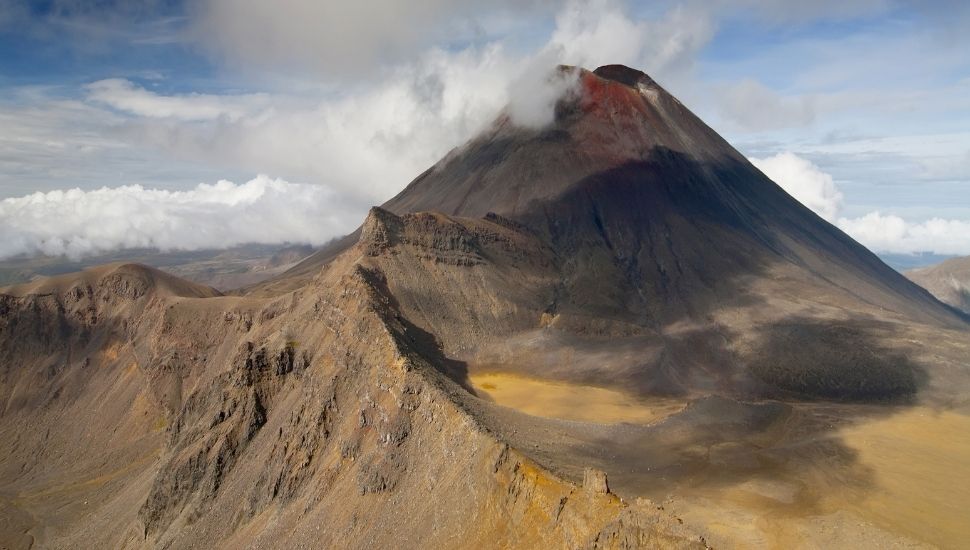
x=141, y=418
x=949, y=281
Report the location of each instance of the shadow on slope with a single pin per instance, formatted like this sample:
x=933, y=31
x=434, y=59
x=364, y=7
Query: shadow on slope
x=835, y=359
x=677, y=238
x=419, y=340
x=717, y=442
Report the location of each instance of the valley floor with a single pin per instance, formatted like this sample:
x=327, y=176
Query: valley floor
x=806, y=475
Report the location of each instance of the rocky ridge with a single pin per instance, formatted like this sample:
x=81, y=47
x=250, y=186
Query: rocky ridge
x=270, y=419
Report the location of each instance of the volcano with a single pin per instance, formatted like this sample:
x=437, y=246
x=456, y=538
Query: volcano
x=581, y=335
x=650, y=222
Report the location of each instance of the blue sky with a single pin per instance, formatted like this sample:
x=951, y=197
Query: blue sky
x=862, y=107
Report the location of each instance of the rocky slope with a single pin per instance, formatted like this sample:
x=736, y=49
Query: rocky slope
x=147, y=412
x=625, y=247
x=949, y=281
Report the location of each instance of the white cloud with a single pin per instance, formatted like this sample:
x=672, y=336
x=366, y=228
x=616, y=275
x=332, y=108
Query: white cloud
x=363, y=143
x=368, y=141
x=598, y=32
x=804, y=181
x=77, y=223
x=341, y=37
x=125, y=96
x=534, y=94
x=887, y=233
x=752, y=106
x=816, y=189
x=49, y=142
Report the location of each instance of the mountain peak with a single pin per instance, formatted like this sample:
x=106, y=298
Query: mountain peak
x=624, y=75
x=636, y=190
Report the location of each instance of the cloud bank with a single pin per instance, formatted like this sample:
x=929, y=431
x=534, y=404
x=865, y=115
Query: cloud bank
x=368, y=140
x=78, y=223
x=347, y=38
x=804, y=181
x=879, y=232
x=887, y=233
x=127, y=97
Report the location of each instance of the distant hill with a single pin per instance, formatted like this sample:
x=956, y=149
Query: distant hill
x=906, y=262
x=223, y=269
x=949, y=281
